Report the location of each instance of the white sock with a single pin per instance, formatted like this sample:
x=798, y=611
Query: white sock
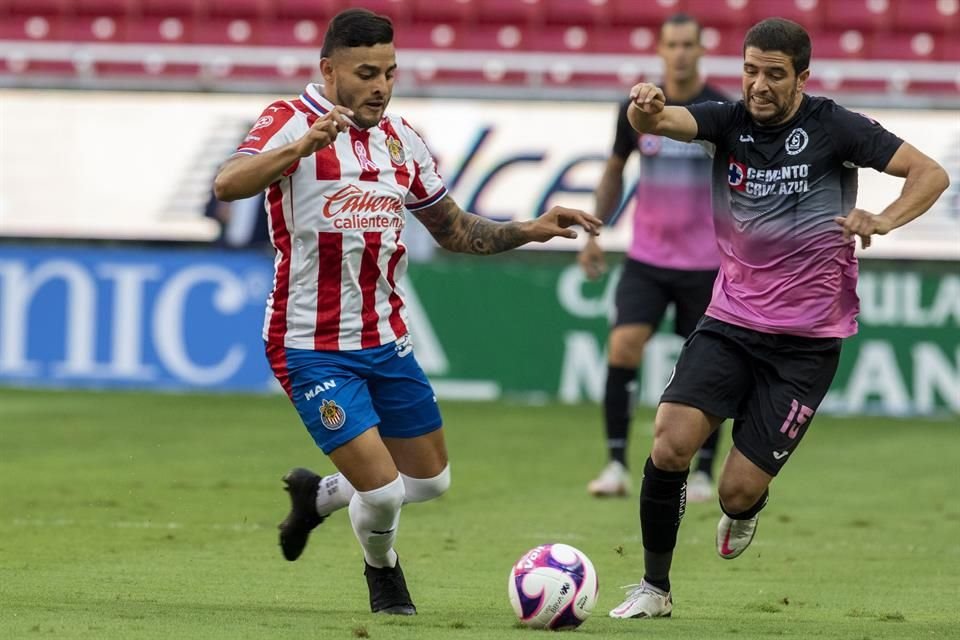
x=423, y=489
x=334, y=493
x=375, y=516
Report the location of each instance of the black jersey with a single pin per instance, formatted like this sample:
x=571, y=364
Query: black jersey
x=785, y=267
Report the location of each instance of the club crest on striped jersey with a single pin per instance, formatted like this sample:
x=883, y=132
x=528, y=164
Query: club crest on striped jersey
x=395, y=148
x=264, y=121
x=332, y=415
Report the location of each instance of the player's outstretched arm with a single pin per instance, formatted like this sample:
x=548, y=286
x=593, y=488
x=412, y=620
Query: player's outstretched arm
x=648, y=113
x=456, y=230
x=243, y=176
x=925, y=181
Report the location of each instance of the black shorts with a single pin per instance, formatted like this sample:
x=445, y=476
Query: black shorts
x=771, y=384
x=644, y=291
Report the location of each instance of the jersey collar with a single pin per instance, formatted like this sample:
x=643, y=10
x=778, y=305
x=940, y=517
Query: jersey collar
x=314, y=99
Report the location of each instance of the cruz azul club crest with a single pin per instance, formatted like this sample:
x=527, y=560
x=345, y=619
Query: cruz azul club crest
x=796, y=141
x=332, y=415
x=737, y=175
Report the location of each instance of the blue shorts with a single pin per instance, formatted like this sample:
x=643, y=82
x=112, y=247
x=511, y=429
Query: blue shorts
x=341, y=394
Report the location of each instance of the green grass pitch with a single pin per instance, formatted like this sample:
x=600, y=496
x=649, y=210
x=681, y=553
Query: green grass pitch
x=153, y=516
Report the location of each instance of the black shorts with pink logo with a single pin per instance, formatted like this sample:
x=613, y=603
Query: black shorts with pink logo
x=770, y=384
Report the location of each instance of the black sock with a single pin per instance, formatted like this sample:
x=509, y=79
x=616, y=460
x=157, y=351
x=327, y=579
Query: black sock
x=663, y=498
x=752, y=511
x=707, y=452
x=618, y=410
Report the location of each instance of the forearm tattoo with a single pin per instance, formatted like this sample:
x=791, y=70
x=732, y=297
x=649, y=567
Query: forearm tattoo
x=462, y=232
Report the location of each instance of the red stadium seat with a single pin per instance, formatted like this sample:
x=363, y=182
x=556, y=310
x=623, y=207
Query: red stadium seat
x=294, y=33
x=577, y=12
x=234, y=31
x=314, y=9
x=170, y=7
x=93, y=29
x=159, y=30
x=904, y=46
x=239, y=8
x=30, y=28
x=865, y=15
x=651, y=13
x=849, y=44
x=808, y=13
x=38, y=7
x=451, y=11
x=517, y=12
x=942, y=16
x=397, y=10
x=723, y=42
x=104, y=7
x=720, y=13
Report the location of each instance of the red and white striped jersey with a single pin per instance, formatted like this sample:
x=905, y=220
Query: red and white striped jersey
x=336, y=218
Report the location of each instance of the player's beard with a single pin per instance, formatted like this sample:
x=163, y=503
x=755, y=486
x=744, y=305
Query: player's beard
x=782, y=112
x=361, y=113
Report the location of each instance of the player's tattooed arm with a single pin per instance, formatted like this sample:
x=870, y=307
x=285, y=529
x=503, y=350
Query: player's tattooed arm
x=456, y=230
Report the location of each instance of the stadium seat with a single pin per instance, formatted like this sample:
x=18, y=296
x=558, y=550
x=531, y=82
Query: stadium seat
x=720, y=13
x=38, y=7
x=311, y=9
x=904, y=46
x=168, y=8
x=92, y=29
x=233, y=31
x=397, y=10
x=940, y=16
x=808, y=13
x=239, y=8
x=829, y=43
x=577, y=12
x=651, y=13
x=159, y=30
x=518, y=12
x=293, y=33
x=450, y=11
x=864, y=15
x=104, y=7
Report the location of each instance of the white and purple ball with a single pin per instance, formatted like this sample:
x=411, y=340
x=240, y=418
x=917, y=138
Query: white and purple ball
x=553, y=586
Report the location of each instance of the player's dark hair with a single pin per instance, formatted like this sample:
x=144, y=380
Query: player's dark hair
x=779, y=34
x=356, y=28
x=681, y=18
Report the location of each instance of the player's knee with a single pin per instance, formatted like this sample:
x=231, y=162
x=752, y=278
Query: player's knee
x=670, y=452
x=386, y=499
x=737, y=496
x=423, y=489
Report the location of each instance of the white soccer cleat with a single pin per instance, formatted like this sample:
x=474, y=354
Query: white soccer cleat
x=644, y=601
x=734, y=536
x=699, y=487
x=614, y=480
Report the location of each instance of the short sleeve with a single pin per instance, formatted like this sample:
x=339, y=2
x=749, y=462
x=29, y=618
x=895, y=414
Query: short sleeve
x=426, y=187
x=270, y=131
x=625, y=139
x=714, y=119
x=858, y=139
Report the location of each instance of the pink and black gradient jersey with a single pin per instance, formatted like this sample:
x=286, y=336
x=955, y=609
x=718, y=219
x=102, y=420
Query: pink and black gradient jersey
x=785, y=267
x=336, y=219
x=672, y=213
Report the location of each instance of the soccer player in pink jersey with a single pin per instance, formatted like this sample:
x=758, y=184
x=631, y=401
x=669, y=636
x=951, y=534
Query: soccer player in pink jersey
x=339, y=173
x=784, y=199
x=673, y=256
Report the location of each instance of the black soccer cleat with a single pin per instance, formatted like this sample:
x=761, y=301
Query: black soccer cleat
x=302, y=485
x=388, y=591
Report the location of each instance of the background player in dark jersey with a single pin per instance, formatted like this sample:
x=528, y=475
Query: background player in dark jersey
x=785, y=188
x=673, y=256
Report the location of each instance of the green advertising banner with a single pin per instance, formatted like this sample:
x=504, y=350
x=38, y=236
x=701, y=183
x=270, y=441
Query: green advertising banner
x=529, y=326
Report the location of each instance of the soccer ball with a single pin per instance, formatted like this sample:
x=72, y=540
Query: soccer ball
x=553, y=586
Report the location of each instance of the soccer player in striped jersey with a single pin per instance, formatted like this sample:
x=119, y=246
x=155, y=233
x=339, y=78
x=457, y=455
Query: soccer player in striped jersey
x=339, y=173
x=785, y=212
